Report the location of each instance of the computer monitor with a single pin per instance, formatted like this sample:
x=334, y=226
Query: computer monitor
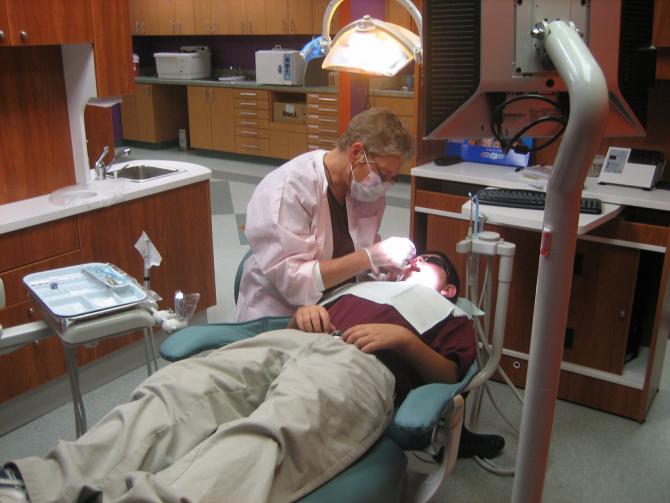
x=477, y=53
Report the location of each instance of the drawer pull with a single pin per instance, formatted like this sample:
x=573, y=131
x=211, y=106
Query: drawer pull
x=331, y=131
x=23, y=35
x=248, y=94
x=516, y=364
x=2, y=35
x=321, y=109
x=330, y=121
x=256, y=147
x=249, y=133
x=248, y=103
x=249, y=123
x=323, y=98
x=252, y=114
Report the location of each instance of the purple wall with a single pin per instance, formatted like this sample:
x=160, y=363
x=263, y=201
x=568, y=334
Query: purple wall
x=229, y=50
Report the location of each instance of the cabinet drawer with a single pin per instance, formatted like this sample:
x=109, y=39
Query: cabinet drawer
x=252, y=113
x=323, y=108
x=18, y=314
x=323, y=120
x=250, y=94
x=16, y=292
x=37, y=243
x=323, y=129
x=320, y=143
x=251, y=123
x=322, y=99
x=252, y=146
x=251, y=103
x=252, y=132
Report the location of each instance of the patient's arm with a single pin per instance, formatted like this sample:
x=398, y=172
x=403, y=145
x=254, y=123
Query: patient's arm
x=311, y=319
x=429, y=364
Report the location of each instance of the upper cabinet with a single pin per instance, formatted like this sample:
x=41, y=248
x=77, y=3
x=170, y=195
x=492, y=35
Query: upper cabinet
x=45, y=22
x=175, y=17
x=143, y=19
x=112, y=47
x=243, y=17
x=397, y=14
x=289, y=17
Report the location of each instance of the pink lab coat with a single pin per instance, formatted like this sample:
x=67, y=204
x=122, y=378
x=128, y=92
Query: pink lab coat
x=289, y=230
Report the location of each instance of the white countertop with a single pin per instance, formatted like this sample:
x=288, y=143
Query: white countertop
x=507, y=177
x=38, y=210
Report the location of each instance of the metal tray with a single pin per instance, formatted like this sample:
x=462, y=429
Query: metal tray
x=84, y=291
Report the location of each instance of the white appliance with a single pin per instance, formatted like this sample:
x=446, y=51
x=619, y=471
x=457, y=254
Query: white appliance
x=280, y=66
x=191, y=62
x=632, y=167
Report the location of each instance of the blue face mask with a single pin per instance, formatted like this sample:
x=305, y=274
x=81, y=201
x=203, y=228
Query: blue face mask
x=371, y=188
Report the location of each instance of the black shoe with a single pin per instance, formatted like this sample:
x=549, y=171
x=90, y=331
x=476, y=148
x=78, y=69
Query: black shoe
x=478, y=444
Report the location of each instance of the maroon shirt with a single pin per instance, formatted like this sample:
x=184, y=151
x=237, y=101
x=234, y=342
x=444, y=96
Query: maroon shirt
x=453, y=337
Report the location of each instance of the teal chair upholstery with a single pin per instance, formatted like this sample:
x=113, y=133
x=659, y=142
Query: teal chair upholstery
x=429, y=414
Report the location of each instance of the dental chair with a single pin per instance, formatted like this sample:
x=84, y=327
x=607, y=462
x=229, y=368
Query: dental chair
x=431, y=415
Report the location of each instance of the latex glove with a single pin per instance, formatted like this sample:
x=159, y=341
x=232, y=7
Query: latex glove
x=392, y=253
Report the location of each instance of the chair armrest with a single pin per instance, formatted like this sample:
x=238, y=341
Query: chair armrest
x=192, y=340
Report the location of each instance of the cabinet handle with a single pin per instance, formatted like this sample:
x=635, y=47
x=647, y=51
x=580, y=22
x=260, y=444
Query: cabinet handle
x=248, y=94
x=241, y=25
x=256, y=147
x=622, y=314
x=249, y=133
x=213, y=24
x=249, y=114
x=2, y=35
x=31, y=312
x=516, y=364
x=249, y=123
x=331, y=121
x=323, y=98
x=292, y=29
x=331, y=131
x=283, y=25
x=142, y=26
x=248, y=104
x=23, y=35
x=178, y=26
x=137, y=26
x=323, y=109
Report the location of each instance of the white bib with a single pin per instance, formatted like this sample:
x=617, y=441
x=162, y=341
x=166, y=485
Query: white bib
x=421, y=306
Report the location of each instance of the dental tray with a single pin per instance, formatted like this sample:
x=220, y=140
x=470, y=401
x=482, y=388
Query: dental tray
x=84, y=291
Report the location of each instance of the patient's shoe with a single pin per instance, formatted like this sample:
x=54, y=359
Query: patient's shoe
x=478, y=444
x=12, y=488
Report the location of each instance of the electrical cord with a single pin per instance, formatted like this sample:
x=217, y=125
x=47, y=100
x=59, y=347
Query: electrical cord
x=515, y=142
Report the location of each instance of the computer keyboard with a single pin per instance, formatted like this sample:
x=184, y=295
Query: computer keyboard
x=530, y=200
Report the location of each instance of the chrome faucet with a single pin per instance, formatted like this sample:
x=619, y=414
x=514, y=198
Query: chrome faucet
x=101, y=169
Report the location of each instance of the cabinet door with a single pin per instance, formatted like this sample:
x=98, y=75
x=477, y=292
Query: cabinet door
x=48, y=22
x=4, y=25
x=231, y=16
x=300, y=17
x=223, y=129
x=199, y=117
x=185, y=17
x=35, y=144
x=129, y=121
x=148, y=22
x=397, y=14
x=318, y=9
x=202, y=16
x=165, y=13
x=255, y=17
x=112, y=47
x=276, y=17
x=145, y=113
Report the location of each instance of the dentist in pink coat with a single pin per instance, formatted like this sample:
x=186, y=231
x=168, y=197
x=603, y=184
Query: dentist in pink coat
x=313, y=223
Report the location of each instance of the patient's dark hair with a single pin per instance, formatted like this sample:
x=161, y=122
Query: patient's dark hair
x=441, y=260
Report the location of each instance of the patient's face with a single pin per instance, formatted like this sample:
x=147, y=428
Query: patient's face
x=420, y=271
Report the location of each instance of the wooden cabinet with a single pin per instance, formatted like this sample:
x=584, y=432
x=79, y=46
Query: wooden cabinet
x=208, y=16
x=35, y=144
x=175, y=17
x=210, y=118
x=323, y=122
x=397, y=14
x=616, y=299
x=4, y=25
x=47, y=22
x=661, y=38
x=154, y=113
x=404, y=108
x=143, y=19
x=287, y=140
x=318, y=9
x=252, y=114
x=243, y=17
x=178, y=222
x=112, y=47
x=289, y=17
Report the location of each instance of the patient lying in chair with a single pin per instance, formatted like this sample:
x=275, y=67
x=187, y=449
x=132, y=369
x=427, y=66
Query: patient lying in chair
x=272, y=417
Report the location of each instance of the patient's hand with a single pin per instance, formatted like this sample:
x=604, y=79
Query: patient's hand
x=371, y=337
x=312, y=319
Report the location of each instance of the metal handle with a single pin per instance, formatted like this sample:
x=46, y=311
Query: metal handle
x=292, y=28
x=2, y=35
x=23, y=34
x=252, y=114
x=172, y=27
x=213, y=24
x=248, y=94
x=178, y=26
x=142, y=24
x=284, y=27
x=249, y=123
x=248, y=103
x=250, y=29
x=250, y=146
x=327, y=109
x=323, y=98
x=249, y=133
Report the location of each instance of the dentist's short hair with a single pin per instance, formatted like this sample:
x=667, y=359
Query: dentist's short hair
x=382, y=133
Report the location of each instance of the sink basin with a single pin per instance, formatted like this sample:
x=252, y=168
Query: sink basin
x=142, y=172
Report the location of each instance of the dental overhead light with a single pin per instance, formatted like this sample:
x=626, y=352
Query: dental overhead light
x=369, y=45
